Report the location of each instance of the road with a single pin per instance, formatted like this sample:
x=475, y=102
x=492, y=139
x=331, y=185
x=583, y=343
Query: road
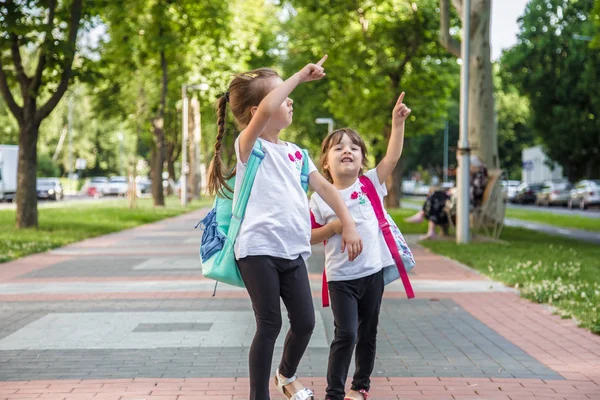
x=592, y=213
x=580, y=234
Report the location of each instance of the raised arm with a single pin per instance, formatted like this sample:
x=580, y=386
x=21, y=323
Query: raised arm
x=394, y=149
x=272, y=102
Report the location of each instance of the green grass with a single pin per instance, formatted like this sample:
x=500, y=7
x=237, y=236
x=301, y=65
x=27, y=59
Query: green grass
x=71, y=222
x=398, y=214
x=547, y=269
x=560, y=220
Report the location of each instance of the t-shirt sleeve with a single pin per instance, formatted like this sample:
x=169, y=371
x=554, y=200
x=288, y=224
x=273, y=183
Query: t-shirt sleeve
x=311, y=166
x=315, y=211
x=236, y=145
x=380, y=187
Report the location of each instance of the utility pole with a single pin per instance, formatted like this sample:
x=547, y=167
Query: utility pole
x=445, y=173
x=462, y=217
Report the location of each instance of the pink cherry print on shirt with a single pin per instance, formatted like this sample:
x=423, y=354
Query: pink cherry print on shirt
x=354, y=195
x=363, y=189
x=291, y=157
x=298, y=155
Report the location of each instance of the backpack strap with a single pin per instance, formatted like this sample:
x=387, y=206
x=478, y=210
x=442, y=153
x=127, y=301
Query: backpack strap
x=304, y=171
x=371, y=193
x=239, y=210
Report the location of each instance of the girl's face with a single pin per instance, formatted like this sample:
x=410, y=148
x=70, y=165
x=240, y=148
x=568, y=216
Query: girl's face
x=344, y=159
x=282, y=118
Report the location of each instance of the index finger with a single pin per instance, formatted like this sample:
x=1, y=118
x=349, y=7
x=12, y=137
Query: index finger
x=400, y=98
x=322, y=60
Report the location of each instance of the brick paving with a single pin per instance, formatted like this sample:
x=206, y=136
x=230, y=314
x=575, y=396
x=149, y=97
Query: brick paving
x=129, y=316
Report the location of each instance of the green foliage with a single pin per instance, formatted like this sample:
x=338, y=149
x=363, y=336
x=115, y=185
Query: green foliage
x=47, y=167
x=513, y=115
x=596, y=20
x=204, y=43
x=560, y=75
x=9, y=129
x=376, y=50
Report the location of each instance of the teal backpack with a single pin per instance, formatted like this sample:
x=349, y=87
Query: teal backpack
x=222, y=224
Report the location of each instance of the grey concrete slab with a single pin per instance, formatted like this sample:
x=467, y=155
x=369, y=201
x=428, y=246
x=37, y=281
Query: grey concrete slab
x=125, y=266
x=416, y=338
x=422, y=285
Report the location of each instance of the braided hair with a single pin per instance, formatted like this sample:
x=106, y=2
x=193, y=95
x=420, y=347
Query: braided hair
x=245, y=91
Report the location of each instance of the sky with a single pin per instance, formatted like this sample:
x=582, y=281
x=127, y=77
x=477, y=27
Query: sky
x=504, y=24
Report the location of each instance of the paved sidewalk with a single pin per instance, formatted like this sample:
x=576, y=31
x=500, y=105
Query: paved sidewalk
x=129, y=316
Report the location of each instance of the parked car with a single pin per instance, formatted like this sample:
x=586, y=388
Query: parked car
x=510, y=189
x=527, y=193
x=49, y=188
x=98, y=186
x=554, y=193
x=585, y=193
x=143, y=186
x=117, y=186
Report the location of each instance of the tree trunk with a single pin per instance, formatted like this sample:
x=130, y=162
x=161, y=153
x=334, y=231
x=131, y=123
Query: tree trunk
x=482, y=117
x=156, y=168
x=170, y=159
x=482, y=123
x=27, y=214
x=158, y=125
x=157, y=162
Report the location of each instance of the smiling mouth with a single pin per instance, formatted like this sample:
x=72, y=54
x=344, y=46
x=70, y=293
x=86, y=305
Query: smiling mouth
x=347, y=160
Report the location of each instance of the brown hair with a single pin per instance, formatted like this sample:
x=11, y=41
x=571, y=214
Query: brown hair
x=336, y=137
x=245, y=91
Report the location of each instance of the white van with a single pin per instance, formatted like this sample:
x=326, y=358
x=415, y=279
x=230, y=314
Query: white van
x=9, y=160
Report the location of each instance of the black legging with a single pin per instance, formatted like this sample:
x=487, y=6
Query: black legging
x=267, y=279
x=355, y=305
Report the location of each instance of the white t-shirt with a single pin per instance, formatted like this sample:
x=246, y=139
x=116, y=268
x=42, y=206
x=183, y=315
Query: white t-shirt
x=277, y=219
x=375, y=254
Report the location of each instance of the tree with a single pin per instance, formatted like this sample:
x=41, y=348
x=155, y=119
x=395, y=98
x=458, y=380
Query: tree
x=482, y=128
x=560, y=75
x=46, y=31
x=514, y=125
x=596, y=19
x=376, y=51
x=148, y=52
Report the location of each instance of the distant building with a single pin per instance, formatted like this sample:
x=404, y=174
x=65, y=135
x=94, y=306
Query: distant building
x=535, y=167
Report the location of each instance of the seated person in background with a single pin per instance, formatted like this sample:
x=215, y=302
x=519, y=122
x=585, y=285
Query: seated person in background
x=479, y=179
x=434, y=211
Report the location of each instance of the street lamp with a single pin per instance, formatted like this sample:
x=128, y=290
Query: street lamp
x=584, y=38
x=328, y=121
x=184, y=126
x=462, y=216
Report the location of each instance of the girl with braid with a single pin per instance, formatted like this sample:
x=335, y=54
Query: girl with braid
x=274, y=238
